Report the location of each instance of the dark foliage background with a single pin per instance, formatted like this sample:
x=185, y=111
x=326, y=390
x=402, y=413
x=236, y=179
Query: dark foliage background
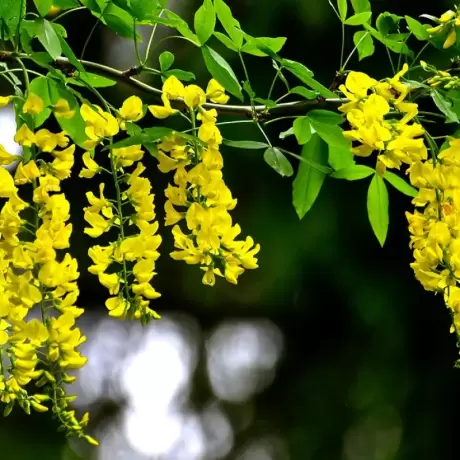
x=366, y=367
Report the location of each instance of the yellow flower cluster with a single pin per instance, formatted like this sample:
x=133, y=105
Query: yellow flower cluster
x=126, y=266
x=199, y=194
x=35, y=276
x=435, y=229
x=447, y=23
x=380, y=119
x=441, y=78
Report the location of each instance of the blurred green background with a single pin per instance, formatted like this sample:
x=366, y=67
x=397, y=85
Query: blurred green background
x=350, y=358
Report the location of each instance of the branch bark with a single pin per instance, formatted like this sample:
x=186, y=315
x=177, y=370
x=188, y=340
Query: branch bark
x=262, y=112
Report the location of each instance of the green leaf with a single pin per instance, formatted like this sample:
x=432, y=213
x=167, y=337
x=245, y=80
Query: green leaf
x=444, y=105
x=43, y=6
x=205, y=21
x=27, y=33
x=343, y=9
x=114, y=17
x=48, y=38
x=255, y=46
x=75, y=126
x=39, y=86
x=229, y=23
x=308, y=182
x=270, y=104
x=180, y=74
x=68, y=53
x=306, y=75
x=361, y=5
x=276, y=159
x=143, y=10
x=246, y=144
x=92, y=79
x=387, y=23
x=331, y=134
x=364, y=44
x=182, y=26
x=417, y=29
x=398, y=47
x=11, y=13
x=340, y=158
x=8, y=408
x=358, y=19
x=166, y=60
x=247, y=87
x=59, y=29
x=287, y=133
x=13, y=76
x=119, y=25
x=66, y=4
x=395, y=45
x=302, y=130
x=377, y=208
x=42, y=58
x=133, y=129
x=225, y=41
x=219, y=68
x=152, y=149
x=304, y=92
x=355, y=172
x=326, y=117
x=400, y=184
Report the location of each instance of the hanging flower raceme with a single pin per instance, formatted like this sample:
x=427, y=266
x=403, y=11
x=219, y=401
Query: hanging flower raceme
x=434, y=228
x=440, y=78
x=447, y=26
x=126, y=266
x=34, y=275
x=199, y=197
x=381, y=120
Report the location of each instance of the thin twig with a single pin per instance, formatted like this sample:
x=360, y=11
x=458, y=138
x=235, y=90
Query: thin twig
x=285, y=108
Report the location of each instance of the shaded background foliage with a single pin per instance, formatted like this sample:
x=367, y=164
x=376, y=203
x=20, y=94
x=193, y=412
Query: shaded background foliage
x=355, y=361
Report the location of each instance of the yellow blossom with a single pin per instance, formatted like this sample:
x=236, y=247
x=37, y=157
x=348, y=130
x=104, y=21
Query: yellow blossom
x=111, y=282
x=92, y=168
x=162, y=111
x=451, y=39
x=24, y=136
x=45, y=140
x=33, y=105
x=126, y=156
x=194, y=96
x=173, y=88
x=131, y=110
x=216, y=92
x=99, y=225
x=62, y=109
x=99, y=124
x=7, y=187
x=117, y=307
x=6, y=158
x=5, y=100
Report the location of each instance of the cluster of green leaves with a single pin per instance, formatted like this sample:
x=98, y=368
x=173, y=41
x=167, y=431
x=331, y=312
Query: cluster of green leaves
x=323, y=142
x=319, y=133
x=387, y=28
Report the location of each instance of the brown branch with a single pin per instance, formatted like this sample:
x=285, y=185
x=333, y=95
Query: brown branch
x=282, y=109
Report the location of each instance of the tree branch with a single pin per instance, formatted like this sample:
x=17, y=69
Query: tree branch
x=285, y=108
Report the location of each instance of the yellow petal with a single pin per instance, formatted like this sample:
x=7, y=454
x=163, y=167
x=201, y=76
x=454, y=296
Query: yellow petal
x=451, y=39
